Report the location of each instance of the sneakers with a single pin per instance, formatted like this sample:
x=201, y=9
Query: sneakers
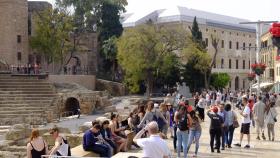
x=223, y=148
x=272, y=139
x=247, y=146
x=194, y=155
x=258, y=138
x=229, y=146
x=239, y=145
x=218, y=151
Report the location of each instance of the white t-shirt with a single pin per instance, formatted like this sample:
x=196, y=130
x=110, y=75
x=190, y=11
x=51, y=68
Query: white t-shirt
x=154, y=147
x=246, y=111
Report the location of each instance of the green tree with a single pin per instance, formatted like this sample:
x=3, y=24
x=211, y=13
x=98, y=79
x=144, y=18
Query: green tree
x=197, y=35
x=197, y=64
x=51, y=39
x=109, y=50
x=220, y=80
x=146, y=51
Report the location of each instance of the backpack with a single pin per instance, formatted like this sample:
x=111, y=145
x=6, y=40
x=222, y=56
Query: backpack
x=159, y=121
x=183, y=122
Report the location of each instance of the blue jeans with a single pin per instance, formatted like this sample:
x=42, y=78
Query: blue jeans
x=229, y=135
x=194, y=134
x=182, y=139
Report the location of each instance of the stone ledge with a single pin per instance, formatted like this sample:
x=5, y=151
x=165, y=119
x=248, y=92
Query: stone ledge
x=79, y=151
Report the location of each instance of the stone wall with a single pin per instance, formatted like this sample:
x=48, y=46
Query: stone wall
x=113, y=88
x=87, y=81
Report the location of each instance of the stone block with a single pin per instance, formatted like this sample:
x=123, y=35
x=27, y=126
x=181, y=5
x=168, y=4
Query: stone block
x=79, y=151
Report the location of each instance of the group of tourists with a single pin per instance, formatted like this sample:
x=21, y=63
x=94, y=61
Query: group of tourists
x=38, y=147
x=175, y=118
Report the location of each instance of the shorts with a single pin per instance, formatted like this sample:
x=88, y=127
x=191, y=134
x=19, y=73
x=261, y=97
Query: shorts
x=245, y=128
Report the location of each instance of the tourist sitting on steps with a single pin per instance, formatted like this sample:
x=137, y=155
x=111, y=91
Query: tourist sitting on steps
x=93, y=141
x=153, y=146
x=61, y=146
x=36, y=146
x=107, y=134
x=118, y=133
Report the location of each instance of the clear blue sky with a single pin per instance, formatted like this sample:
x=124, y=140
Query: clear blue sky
x=245, y=9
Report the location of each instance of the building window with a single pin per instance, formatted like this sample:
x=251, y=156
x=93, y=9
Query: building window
x=18, y=38
x=206, y=30
x=243, y=35
x=250, y=46
x=237, y=45
x=229, y=33
x=215, y=31
x=229, y=85
x=244, y=45
x=243, y=84
x=222, y=63
x=255, y=47
x=243, y=64
x=237, y=34
x=249, y=36
x=230, y=44
x=236, y=63
x=19, y=56
x=229, y=63
x=206, y=42
x=223, y=32
x=223, y=43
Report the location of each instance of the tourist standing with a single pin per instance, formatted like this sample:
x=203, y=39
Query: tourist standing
x=150, y=115
x=245, y=126
x=201, y=106
x=270, y=119
x=222, y=113
x=195, y=132
x=171, y=119
x=259, y=112
x=164, y=111
x=215, y=128
x=93, y=142
x=183, y=120
x=36, y=146
x=153, y=146
x=61, y=146
x=229, y=125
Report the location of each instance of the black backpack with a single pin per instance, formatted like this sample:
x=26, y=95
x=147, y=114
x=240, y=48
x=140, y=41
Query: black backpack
x=183, y=122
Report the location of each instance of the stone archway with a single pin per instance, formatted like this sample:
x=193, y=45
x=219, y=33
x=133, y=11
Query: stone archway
x=236, y=83
x=72, y=105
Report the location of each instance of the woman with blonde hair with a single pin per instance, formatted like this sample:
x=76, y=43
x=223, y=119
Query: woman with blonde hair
x=164, y=111
x=36, y=146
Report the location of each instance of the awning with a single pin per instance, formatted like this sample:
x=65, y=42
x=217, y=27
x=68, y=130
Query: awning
x=262, y=85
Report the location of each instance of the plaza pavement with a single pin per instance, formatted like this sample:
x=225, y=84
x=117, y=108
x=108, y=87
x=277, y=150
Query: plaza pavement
x=259, y=148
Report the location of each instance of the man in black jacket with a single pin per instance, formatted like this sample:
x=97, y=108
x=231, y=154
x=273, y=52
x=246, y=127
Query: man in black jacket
x=215, y=128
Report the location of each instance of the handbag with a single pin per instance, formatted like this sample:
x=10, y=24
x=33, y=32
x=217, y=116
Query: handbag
x=235, y=122
x=274, y=118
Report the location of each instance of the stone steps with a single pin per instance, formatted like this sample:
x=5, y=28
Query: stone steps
x=26, y=92
x=31, y=102
x=27, y=95
x=25, y=99
x=25, y=89
x=19, y=111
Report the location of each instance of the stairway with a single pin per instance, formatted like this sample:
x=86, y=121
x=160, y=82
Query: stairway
x=25, y=99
